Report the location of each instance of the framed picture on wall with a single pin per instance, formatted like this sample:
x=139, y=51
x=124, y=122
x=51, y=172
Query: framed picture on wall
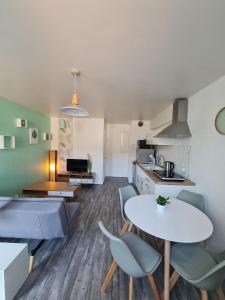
x=33, y=135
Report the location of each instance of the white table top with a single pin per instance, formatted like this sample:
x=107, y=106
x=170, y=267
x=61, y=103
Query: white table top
x=179, y=222
x=8, y=252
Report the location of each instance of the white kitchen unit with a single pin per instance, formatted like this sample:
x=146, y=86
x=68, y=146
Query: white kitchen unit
x=146, y=185
x=14, y=263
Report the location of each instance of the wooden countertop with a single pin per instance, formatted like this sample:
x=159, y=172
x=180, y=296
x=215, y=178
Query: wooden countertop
x=157, y=180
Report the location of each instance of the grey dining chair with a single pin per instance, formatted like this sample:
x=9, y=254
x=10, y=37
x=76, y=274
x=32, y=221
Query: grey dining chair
x=194, y=199
x=125, y=193
x=200, y=268
x=134, y=256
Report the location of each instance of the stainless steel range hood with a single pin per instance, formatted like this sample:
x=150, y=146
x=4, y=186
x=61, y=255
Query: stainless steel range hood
x=179, y=127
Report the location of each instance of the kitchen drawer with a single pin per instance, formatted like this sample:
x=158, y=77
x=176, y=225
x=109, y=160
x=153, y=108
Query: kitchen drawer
x=81, y=180
x=60, y=194
x=149, y=186
x=86, y=181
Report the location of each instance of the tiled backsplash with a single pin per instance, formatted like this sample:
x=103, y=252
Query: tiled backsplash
x=179, y=154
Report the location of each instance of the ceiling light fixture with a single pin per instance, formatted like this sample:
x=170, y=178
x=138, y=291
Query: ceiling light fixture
x=74, y=109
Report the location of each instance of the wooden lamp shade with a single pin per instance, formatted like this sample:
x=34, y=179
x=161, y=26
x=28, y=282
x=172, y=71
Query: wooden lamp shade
x=52, y=165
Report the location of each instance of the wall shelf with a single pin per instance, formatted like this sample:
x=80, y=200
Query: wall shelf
x=7, y=142
x=21, y=123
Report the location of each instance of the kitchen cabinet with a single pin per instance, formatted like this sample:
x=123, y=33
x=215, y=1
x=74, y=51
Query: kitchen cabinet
x=145, y=185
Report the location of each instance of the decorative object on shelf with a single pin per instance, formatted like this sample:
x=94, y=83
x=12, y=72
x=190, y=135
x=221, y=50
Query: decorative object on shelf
x=75, y=110
x=52, y=165
x=62, y=124
x=140, y=123
x=33, y=134
x=162, y=202
x=46, y=136
x=7, y=142
x=89, y=163
x=220, y=121
x=21, y=123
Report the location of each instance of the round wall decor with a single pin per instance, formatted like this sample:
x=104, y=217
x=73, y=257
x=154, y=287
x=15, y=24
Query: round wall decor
x=220, y=121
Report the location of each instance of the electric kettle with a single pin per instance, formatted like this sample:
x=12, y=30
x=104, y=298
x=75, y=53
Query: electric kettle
x=169, y=167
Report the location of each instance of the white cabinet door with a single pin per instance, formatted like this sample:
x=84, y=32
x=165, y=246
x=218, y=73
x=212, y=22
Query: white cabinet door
x=139, y=180
x=149, y=186
x=143, y=183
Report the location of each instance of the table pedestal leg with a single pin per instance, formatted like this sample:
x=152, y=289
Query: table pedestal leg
x=167, y=270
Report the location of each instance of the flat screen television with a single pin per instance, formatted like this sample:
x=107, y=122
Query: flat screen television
x=77, y=165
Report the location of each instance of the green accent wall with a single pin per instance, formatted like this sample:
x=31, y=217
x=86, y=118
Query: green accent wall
x=26, y=163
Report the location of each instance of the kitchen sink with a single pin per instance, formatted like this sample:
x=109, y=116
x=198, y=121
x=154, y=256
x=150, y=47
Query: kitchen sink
x=149, y=167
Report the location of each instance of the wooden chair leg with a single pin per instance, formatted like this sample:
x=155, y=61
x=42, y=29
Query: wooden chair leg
x=124, y=228
x=130, y=227
x=173, y=279
x=154, y=287
x=220, y=294
x=204, y=295
x=138, y=231
x=31, y=263
x=131, y=283
x=109, y=276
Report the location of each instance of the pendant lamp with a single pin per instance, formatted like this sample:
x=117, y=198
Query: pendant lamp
x=74, y=109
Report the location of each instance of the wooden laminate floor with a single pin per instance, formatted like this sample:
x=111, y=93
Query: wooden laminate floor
x=73, y=268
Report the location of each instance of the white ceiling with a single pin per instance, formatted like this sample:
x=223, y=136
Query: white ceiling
x=135, y=56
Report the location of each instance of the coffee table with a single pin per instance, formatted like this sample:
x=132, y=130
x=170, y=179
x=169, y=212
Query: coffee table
x=51, y=189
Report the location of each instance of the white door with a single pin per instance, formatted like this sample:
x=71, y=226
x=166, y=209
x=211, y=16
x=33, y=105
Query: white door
x=117, y=150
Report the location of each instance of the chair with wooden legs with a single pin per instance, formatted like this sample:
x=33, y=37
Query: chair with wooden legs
x=125, y=194
x=135, y=257
x=197, y=200
x=200, y=268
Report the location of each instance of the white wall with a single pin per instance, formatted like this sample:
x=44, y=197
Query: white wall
x=207, y=158
x=136, y=133
x=88, y=135
x=117, y=150
x=179, y=154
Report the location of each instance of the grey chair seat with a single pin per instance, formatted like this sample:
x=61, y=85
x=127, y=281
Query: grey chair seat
x=147, y=257
x=191, y=261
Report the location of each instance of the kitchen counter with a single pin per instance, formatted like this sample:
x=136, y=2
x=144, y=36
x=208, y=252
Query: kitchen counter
x=159, y=181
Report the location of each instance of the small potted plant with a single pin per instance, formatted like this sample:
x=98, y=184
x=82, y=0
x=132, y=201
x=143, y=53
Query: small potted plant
x=162, y=202
x=89, y=163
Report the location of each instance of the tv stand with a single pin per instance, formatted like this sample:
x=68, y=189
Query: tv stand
x=76, y=177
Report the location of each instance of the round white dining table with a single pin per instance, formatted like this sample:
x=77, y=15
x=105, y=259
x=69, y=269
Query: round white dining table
x=178, y=221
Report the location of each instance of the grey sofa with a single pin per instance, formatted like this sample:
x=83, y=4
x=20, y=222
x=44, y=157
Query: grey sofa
x=36, y=219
